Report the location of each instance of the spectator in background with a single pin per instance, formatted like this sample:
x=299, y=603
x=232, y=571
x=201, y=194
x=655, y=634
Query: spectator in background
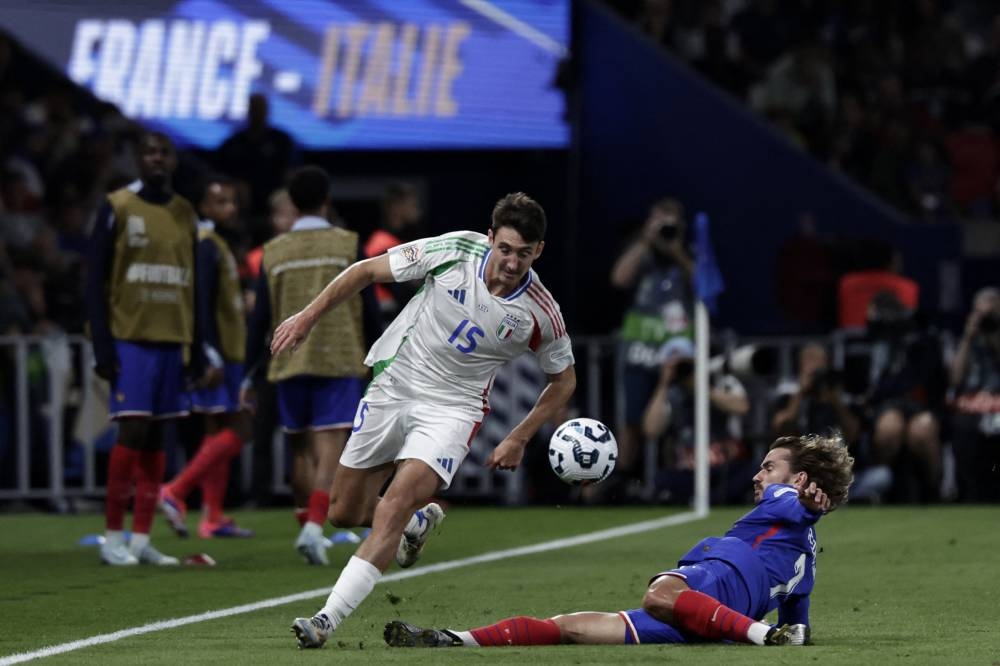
x=400, y=215
x=260, y=155
x=815, y=403
x=880, y=271
x=670, y=413
x=801, y=83
x=656, y=265
x=928, y=179
x=804, y=278
x=975, y=382
x=655, y=19
x=282, y=216
x=972, y=150
x=906, y=399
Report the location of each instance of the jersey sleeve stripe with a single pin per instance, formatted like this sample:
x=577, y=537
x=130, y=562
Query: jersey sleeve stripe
x=477, y=248
x=546, y=303
x=544, y=299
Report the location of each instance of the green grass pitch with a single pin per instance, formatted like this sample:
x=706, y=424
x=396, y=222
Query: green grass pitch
x=913, y=585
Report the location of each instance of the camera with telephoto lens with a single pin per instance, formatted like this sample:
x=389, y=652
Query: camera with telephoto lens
x=668, y=232
x=824, y=380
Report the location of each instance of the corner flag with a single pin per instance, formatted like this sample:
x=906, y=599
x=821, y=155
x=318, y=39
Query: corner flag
x=708, y=283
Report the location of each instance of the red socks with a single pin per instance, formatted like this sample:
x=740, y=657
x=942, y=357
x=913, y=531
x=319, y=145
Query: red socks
x=319, y=505
x=301, y=515
x=519, y=630
x=214, y=449
x=148, y=477
x=120, y=466
x=225, y=445
x=700, y=614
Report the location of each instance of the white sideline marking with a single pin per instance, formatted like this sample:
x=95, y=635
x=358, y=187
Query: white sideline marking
x=545, y=546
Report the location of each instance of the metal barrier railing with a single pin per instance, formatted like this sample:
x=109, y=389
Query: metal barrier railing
x=51, y=377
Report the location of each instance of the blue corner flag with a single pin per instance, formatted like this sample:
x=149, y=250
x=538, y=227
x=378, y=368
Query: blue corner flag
x=708, y=283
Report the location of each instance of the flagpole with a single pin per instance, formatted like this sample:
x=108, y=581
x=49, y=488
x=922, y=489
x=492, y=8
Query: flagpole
x=702, y=337
x=708, y=285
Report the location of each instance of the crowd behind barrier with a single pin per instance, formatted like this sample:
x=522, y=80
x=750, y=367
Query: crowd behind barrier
x=54, y=434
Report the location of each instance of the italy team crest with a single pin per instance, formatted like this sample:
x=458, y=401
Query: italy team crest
x=507, y=327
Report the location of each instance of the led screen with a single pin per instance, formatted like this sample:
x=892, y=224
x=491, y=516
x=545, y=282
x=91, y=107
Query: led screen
x=365, y=74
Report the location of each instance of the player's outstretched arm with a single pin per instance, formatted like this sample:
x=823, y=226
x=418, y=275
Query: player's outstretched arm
x=508, y=453
x=290, y=333
x=812, y=497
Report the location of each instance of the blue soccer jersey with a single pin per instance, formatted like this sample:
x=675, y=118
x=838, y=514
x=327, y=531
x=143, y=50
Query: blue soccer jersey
x=773, y=547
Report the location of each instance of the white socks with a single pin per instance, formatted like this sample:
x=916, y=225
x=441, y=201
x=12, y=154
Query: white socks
x=466, y=638
x=758, y=632
x=356, y=582
x=138, y=543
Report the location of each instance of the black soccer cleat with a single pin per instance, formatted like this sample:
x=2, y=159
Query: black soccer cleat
x=401, y=634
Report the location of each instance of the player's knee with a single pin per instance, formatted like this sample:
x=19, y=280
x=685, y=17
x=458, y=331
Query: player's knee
x=658, y=605
x=661, y=596
x=341, y=515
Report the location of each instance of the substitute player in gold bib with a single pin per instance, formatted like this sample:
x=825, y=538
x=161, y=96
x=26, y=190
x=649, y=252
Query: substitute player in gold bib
x=140, y=303
x=481, y=305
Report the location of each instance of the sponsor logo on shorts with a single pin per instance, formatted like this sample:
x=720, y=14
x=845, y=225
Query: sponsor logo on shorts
x=447, y=464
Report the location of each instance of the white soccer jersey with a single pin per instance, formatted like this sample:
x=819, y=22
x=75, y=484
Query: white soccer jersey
x=446, y=344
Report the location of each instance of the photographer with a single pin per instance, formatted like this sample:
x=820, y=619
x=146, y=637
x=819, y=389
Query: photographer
x=657, y=266
x=906, y=399
x=975, y=380
x=670, y=413
x=816, y=402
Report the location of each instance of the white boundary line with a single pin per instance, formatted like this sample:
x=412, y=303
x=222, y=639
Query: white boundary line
x=557, y=544
x=516, y=25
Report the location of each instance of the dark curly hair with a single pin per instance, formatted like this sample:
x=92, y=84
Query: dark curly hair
x=521, y=213
x=824, y=459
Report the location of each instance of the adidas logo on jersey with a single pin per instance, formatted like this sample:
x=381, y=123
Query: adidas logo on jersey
x=459, y=295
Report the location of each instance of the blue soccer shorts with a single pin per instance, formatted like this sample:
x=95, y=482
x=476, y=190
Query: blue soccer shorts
x=308, y=402
x=150, y=381
x=224, y=398
x=715, y=578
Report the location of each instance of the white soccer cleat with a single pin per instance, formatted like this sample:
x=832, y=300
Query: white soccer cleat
x=312, y=545
x=788, y=634
x=117, y=555
x=149, y=555
x=798, y=634
x=415, y=535
x=311, y=632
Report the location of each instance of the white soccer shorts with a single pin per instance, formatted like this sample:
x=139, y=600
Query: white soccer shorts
x=390, y=430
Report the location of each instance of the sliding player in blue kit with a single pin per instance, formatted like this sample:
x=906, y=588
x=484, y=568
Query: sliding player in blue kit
x=721, y=588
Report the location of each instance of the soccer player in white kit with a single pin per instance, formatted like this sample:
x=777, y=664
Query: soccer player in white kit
x=480, y=306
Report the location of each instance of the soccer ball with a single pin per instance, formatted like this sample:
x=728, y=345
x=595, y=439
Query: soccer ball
x=583, y=451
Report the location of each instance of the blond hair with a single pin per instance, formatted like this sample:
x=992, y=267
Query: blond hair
x=825, y=459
